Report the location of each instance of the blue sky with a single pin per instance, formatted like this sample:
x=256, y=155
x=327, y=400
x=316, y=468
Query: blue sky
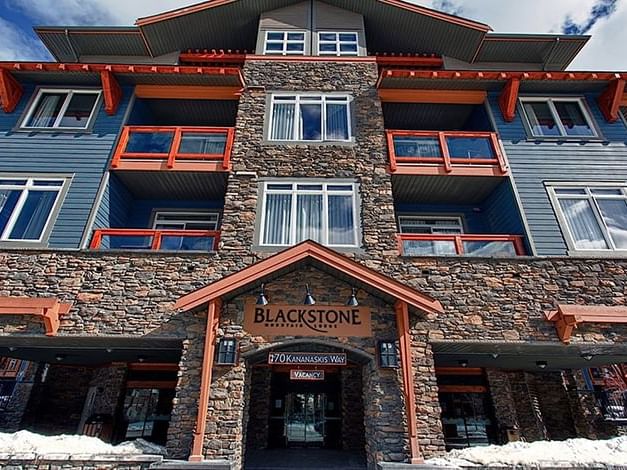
x=605, y=20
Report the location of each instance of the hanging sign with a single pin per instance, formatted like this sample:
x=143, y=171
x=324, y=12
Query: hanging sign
x=307, y=359
x=307, y=375
x=307, y=320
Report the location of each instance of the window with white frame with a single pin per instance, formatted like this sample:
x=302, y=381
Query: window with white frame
x=415, y=224
x=62, y=109
x=593, y=217
x=26, y=207
x=325, y=212
x=315, y=118
x=558, y=117
x=284, y=43
x=338, y=43
x=186, y=220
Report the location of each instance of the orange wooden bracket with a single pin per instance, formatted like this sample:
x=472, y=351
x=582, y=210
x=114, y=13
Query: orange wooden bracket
x=568, y=317
x=111, y=91
x=10, y=91
x=611, y=99
x=509, y=98
x=49, y=309
x=402, y=323
x=213, y=319
x=388, y=95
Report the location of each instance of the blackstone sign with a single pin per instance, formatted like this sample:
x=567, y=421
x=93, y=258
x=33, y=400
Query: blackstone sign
x=307, y=320
x=308, y=359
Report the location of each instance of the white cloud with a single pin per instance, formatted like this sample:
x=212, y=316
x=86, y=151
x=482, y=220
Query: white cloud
x=604, y=51
x=16, y=45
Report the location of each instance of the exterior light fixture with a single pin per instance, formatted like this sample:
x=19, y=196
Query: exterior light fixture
x=463, y=362
x=12, y=348
x=352, y=300
x=141, y=358
x=495, y=355
x=59, y=357
x=542, y=364
x=587, y=356
x=309, y=300
x=109, y=350
x=262, y=299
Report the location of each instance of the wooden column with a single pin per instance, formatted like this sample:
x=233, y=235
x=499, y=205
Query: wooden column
x=402, y=324
x=213, y=318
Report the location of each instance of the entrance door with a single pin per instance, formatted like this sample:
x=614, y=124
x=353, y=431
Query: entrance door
x=305, y=419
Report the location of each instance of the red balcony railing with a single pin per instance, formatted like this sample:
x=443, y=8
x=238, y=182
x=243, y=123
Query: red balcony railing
x=461, y=153
x=174, y=148
x=9, y=367
x=140, y=239
x=461, y=245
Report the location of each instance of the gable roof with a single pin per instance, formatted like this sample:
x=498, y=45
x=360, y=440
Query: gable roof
x=296, y=256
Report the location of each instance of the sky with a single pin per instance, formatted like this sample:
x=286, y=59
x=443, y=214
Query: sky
x=605, y=20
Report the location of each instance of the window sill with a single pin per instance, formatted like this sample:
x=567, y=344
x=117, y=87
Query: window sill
x=37, y=130
x=309, y=143
x=605, y=254
x=278, y=249
x=580, y=140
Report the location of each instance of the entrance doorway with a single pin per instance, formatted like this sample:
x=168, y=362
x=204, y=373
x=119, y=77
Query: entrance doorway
x=305, y=419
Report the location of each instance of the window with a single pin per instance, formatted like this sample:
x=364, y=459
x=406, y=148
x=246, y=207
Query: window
x=623, y=114
x=199, y=221
x=26, y=207
x=595, y=217
x=429, y=224
x=186, y=221
x=337, y=43
x=62, y=109
x=227, y=351
x=388, y=354
x=284, y=43
x=558, y=117
x=313, y=118
x=322, y=212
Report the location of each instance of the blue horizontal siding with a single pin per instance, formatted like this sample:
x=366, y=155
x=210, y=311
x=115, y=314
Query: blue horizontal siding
x=85, y=155
x=534, y=162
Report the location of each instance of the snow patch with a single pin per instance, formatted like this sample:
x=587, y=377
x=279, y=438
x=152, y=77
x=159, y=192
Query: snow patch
x=572, y=452
x=25, y=442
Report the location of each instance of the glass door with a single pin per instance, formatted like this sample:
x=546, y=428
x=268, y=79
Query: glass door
x=304, y=419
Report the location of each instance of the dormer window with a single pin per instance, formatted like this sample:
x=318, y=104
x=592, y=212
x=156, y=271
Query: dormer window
x=338, y=43
x=284, y=43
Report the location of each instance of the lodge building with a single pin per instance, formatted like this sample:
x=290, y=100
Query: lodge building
x=365, y=228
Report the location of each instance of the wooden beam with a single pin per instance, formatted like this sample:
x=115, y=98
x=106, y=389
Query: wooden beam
x=195, y=92
x=402, y=324
x=50, y=309
x=10, y=91
x=111, y=91
x=402, y=95
x=213, y=318
x=611, y=100
x=509, y=99
x=568, y=317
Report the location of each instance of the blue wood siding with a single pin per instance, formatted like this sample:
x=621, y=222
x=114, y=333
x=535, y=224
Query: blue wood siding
x=533, y=162
x=85, y=155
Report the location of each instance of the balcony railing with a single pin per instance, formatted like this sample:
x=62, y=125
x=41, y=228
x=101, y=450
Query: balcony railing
x=9, y=368
x=431, y=153
x=174, y=148
x=170, y=240
x=461, y=245
x=613, y=405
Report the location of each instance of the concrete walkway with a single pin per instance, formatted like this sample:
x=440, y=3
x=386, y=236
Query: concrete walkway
x=310, y=459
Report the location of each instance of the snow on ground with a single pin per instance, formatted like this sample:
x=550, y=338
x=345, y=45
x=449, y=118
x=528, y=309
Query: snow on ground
x=25, y=442
x=575, y=452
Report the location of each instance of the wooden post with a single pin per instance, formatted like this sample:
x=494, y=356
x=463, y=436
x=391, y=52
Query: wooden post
x=509, y=99
x=111, y=91
x=402, y=324
x=213, y=317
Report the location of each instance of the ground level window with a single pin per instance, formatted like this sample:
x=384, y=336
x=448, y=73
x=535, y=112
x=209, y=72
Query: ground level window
x=593, y=217
x=147, y=413
x=325, y=212
x=26, y=207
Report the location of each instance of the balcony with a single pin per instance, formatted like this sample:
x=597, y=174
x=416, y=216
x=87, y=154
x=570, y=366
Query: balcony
x=455, y=153
x=504, y=246
x=155, y=240
x=174, y=148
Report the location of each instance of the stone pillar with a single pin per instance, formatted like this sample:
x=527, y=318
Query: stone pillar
x=527, y=404
x=384, y=416
x=11, y=418
x=428, y=411
x=258, y=407
x=554, y=403
x=587, y=416
x=352, y=409
x=502, y=402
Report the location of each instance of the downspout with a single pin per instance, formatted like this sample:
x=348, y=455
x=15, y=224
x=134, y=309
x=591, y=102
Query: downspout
x=69, y=41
